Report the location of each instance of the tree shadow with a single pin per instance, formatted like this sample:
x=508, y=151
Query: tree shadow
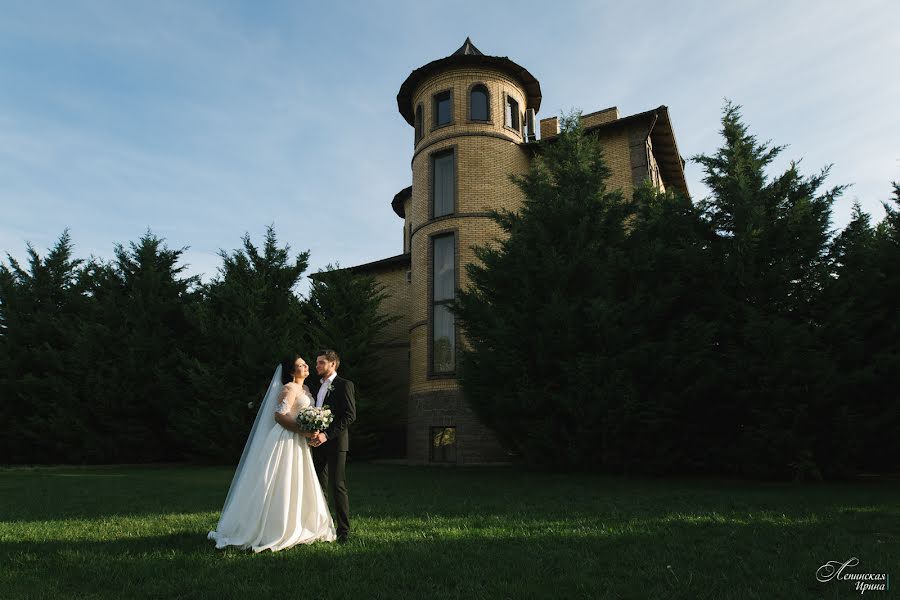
x=661, y=558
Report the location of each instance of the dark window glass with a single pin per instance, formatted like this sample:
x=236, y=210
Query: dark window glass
x=419, y=127
x=478, y=103
x=444, y=184
x=443, y=444
x=444, y=340
x=442, y=109
x=443, y=268
x=443, y=332
x=512, y=113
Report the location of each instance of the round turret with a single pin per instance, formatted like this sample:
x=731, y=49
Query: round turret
x=468, y=113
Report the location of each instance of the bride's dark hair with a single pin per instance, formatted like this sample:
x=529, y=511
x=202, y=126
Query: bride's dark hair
x=288, y=365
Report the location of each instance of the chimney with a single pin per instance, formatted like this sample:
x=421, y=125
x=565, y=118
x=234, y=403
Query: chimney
x=600, y=117
x=549, y=127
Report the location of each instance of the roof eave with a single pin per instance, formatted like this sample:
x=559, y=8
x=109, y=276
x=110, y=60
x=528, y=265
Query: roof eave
x=392, y=262
x=501, y=63
x=399, y=200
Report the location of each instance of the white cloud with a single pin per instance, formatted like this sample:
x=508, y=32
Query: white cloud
x=204, y=120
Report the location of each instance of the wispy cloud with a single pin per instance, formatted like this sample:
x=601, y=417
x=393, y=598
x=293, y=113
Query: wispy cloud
x=206, y=120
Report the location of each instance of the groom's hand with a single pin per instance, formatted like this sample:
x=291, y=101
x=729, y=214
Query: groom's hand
x=318, y=439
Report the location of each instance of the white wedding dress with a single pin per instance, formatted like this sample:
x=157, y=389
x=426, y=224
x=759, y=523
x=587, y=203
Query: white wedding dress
x=275, y=500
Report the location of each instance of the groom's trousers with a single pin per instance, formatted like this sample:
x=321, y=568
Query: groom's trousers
x=331, y=469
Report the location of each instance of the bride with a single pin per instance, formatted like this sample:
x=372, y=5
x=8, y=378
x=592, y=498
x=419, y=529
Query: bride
x=275, y=500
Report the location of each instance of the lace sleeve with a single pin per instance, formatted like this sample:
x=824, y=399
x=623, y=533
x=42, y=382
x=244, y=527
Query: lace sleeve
x=286, y=399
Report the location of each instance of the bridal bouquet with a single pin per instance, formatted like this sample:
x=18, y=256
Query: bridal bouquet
x=314, y=418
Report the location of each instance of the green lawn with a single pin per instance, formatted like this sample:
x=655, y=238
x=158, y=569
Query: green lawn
x=447, y=533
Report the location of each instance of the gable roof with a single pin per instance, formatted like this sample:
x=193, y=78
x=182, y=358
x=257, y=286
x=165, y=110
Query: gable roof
x=662, y=136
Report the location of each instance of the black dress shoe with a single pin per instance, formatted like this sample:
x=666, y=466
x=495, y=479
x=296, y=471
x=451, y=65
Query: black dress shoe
x=342, y=539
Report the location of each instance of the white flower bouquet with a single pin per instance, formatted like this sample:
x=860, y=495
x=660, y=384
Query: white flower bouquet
x=314, y=418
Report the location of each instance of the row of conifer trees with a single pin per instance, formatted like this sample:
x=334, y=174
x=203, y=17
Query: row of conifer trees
x=131, y=360
x=736, y=335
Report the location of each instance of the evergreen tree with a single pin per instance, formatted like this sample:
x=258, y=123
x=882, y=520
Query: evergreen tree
x=850, y=304
x=344, y=314
x=250, y=317
x=772, y=247
x=882, y=413
x=137, y=336
x=668, y=310
x=40, y=306
x=541, y=361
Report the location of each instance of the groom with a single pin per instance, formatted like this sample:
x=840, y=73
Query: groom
x=329, y=448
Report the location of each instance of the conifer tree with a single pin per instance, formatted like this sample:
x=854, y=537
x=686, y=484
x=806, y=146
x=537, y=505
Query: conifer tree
x=772, y=243
x=541, y=360
x=344, y=313
x=882, y=448
x=40, y=305
x=668, y=311
x=136, y=336
x=249, y=319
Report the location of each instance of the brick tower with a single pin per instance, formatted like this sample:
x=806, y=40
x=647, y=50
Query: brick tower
x=473, y=122
x=468, y=112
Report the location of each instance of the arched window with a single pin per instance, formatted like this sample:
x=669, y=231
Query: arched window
x=419, y=126
x=478, y=104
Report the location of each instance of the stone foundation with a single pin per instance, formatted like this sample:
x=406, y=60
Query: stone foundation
x=474, y=443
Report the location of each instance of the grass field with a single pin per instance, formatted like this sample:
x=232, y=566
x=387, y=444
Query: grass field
x=447, y=533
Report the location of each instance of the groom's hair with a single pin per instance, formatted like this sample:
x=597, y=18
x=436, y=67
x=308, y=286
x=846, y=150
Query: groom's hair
x=331, y=356
x=288, y=365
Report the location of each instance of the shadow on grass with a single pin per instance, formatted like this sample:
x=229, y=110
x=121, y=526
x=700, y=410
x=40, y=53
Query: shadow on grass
x=416, y=493
x=421, y=533
x=661, y=558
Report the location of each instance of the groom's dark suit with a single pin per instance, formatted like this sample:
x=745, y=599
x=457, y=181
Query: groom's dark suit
x=331, y=457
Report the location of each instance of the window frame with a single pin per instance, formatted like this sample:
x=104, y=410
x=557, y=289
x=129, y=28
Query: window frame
x=436, y=98
x=513, y=112
x=451, y=150
x=454, y=234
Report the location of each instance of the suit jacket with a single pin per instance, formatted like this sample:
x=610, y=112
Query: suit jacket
x=342, y=402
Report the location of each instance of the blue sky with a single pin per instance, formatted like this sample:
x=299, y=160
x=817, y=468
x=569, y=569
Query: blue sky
x=205, y=120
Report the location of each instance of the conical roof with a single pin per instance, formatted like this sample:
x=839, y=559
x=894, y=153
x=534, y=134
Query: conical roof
x=468, y=48
x=468, y=56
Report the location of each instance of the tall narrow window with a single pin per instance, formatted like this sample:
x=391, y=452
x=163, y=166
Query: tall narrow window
x=443, y=108
x=478, y=104
x=420, y=130
x=443, y=184
x=512, y=113
x=443, y=276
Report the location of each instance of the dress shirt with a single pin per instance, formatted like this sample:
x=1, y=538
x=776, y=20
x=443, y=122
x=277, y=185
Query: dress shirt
x=323, y=391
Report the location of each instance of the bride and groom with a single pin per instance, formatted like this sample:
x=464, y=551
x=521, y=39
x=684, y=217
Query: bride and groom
x=276, y=499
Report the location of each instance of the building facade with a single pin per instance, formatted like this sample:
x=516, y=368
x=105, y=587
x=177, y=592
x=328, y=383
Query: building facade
x=473, y=121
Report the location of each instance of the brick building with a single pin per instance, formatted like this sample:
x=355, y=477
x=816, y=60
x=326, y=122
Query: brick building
x=473, y=121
